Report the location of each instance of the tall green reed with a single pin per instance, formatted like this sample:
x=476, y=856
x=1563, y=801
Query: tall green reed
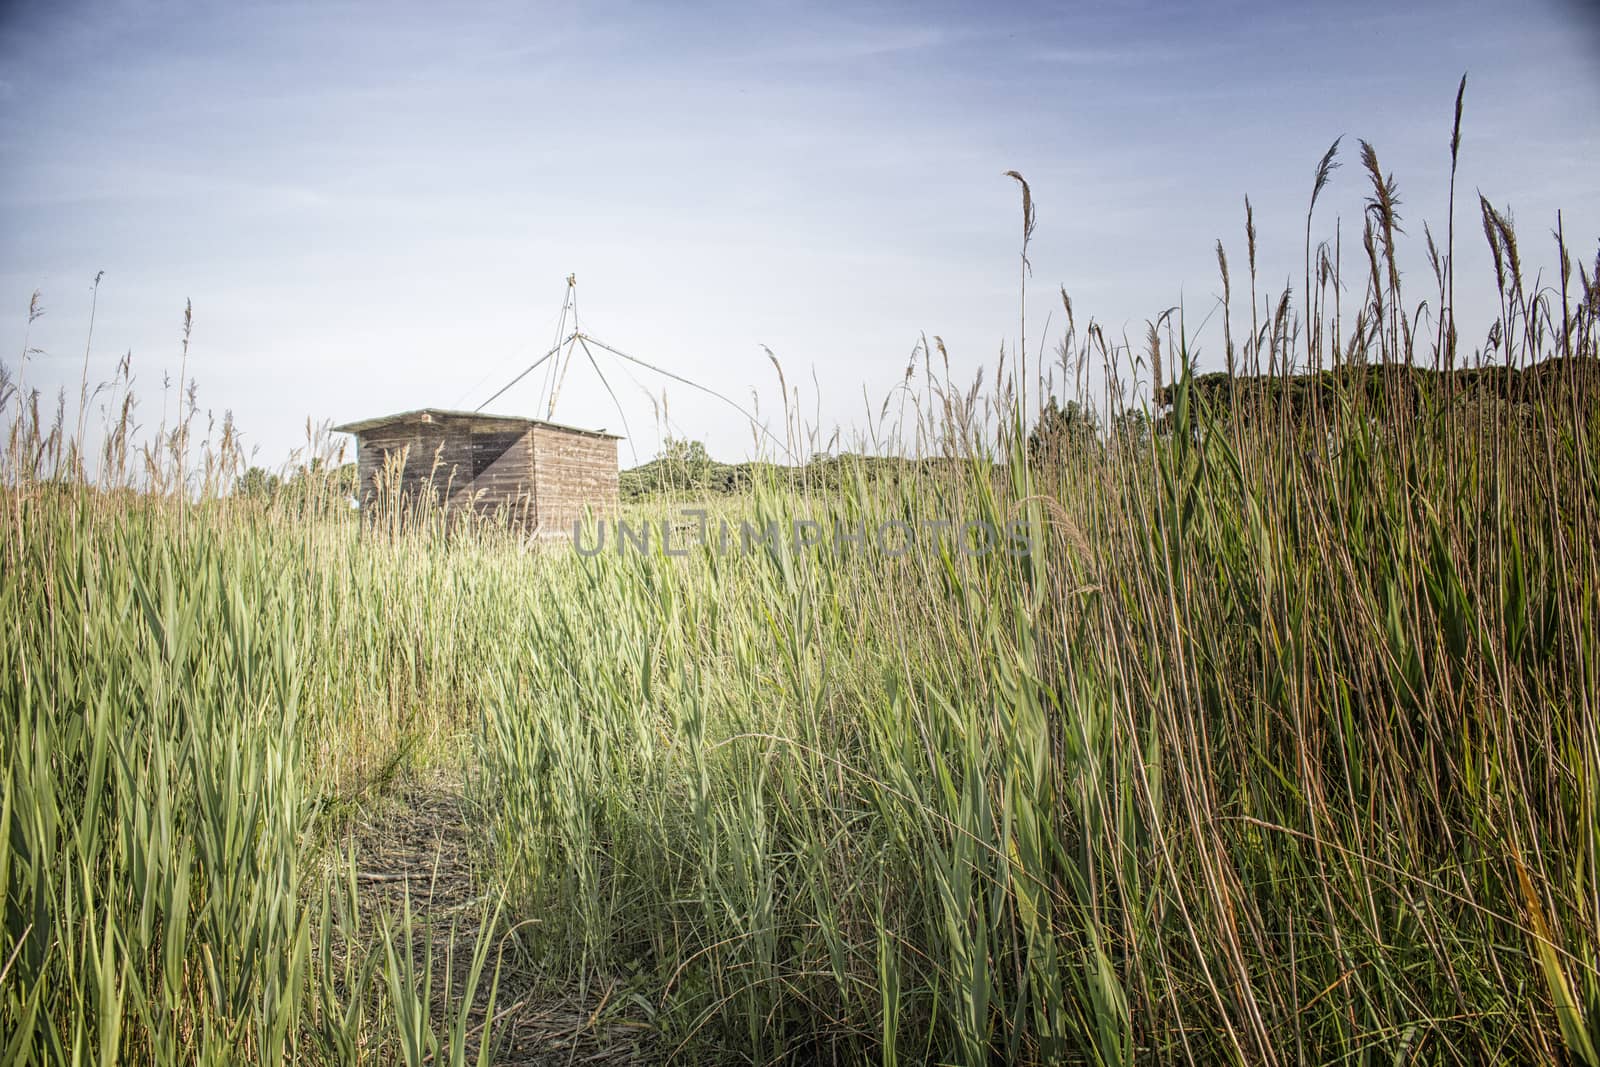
x=1280, y=745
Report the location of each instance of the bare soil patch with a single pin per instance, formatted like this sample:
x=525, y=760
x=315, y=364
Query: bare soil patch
x=423, y=842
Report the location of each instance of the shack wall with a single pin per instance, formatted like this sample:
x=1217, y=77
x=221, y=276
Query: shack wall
x=500, y=472
x=432, y=460
x=573, y=473
x=541, y=477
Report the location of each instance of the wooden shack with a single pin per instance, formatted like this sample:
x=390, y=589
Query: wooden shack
x=541, y=476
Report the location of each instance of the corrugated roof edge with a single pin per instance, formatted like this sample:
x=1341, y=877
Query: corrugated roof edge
x=432, y=414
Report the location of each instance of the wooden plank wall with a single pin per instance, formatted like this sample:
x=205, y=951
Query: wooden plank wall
x=545, y=477
x=573, y=473
x=432, y=461
x=503, y=462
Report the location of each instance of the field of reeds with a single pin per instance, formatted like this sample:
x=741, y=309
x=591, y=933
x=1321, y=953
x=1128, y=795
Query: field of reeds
x=1281, y=745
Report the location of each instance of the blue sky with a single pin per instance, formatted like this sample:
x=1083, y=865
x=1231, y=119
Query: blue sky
x=374, y=208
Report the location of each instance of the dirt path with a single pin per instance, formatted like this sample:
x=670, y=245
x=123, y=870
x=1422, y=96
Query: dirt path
x=423, y=842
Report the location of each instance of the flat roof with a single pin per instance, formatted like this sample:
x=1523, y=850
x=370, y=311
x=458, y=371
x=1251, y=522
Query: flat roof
x=432, y=415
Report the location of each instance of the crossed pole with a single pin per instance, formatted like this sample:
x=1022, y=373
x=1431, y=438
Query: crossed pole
x=579, y=337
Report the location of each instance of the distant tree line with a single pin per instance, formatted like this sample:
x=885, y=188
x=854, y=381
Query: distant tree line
x=1396, y=388
x=686, y=467
x=314, y=486
x=1069, y=429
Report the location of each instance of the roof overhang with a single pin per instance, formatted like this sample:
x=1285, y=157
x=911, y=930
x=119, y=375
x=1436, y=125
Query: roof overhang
x=441, y=418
